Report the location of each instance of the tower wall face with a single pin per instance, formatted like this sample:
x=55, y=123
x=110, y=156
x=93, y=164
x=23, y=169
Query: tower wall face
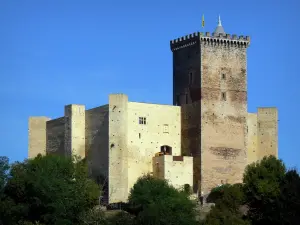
x=186, y=71
x=118, y=150
x=252, y=138
x=223, y=113
x=96, y=144
x=56, y=136
x=75, y=130
x=267, y=123
x=37, y=140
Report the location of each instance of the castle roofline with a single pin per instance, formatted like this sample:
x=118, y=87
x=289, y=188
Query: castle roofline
x=226, y=39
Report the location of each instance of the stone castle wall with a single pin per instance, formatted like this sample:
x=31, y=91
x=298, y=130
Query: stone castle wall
x=177, y=170
x=75, y=130
x=55, y=134
x=223, y=114
x=118, y=149
x=96, y=144
x=162, y=127
x=267, y=140
x=37, y=139
x=252, y=138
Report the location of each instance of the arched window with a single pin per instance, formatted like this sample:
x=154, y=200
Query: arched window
x=166, y=149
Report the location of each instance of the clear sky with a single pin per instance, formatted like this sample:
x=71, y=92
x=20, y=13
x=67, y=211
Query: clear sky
x=53, y=53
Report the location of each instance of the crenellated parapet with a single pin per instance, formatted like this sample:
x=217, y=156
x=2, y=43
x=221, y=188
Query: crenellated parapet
x=209, y=39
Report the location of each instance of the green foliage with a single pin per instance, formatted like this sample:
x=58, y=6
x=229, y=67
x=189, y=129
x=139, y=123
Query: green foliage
x=228, y=199
x=289, y=201
x=4, y=167
x=160, y=203
x=262, y=189
x=93, y=217
x=187, y=189
x=122, y=218
x=216, y=193
x=50, y=189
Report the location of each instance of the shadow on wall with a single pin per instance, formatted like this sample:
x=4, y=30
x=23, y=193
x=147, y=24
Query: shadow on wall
x=55, y=136
x=191, y=138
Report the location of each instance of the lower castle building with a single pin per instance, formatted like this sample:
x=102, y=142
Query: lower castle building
x=205, y=138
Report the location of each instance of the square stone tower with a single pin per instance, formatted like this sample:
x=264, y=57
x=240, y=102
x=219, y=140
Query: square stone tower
x=210, y=83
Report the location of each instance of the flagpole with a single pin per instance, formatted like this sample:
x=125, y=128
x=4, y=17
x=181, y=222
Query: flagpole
x=203, y=23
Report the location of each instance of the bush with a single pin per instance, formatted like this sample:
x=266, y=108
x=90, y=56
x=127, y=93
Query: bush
x=159, y=203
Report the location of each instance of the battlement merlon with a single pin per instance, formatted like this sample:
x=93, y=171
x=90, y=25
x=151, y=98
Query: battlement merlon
x=207, y=38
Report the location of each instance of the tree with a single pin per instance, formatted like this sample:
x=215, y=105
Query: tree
x=4, y=167
x=262, y=188
x=288, y=204
x=158, y=203
x=51, y=190
x=5, y=202
x=228, y=201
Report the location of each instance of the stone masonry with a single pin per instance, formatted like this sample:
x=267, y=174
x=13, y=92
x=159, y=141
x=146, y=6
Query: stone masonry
x=204, y=139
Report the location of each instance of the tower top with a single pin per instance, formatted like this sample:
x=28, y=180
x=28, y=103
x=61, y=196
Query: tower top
x=219, y=29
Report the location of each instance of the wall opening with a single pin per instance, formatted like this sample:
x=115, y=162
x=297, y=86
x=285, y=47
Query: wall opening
x=191, y=78
x=166, y=150
x=224, y=96
x=142, y=120
x=166, y=128
x=177, y=100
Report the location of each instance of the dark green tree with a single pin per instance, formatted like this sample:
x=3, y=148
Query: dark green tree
x=158, y=203
x=51, y=190
x=227, y=210
x=288, y=204
x=4, y=168
x=262, y=188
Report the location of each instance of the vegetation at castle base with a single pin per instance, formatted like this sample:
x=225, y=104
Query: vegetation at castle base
x=48, y=189
x=269, y=195
x=158, y=203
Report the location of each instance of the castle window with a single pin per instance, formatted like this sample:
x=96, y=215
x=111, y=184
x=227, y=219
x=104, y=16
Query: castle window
x=177, y=100
x=166, y=128
x=224, y=96
x=191, y=78
x=223, y=76
x=186, y=99
x=142, y=120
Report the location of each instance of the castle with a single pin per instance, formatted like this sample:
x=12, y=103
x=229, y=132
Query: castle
x=205, y=138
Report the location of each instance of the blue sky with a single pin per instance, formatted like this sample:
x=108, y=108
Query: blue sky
x=54, y=53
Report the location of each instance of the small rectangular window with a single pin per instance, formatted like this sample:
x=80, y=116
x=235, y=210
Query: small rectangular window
x=186, y=99
x=142, y=120
x=224, y=96
x=177, y=100
x=223, y=76
x=166, y=128
x=191, y=78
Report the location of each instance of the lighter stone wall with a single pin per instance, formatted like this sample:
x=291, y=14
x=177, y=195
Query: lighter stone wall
x=75, y=130
x=163, y=127
x=178, y=171
x=118, y=150
x=223, y=118
x=267, y=142
x=252, y=138
x=37, y=136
